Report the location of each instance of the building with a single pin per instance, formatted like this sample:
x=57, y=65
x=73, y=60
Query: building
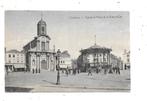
x=65, y=60
x=15, y=60
x=94, y=57
x=116, y=62
x=126, y=59
x=38, y=53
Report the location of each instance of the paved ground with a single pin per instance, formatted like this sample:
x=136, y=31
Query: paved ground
x=46, y=82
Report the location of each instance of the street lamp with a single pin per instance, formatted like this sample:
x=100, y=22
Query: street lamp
x=58, y=66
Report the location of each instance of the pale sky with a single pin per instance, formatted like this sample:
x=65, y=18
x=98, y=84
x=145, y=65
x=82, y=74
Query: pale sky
x=70, y=30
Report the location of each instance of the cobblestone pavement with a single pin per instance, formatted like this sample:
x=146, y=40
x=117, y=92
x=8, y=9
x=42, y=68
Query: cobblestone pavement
x=46, y=82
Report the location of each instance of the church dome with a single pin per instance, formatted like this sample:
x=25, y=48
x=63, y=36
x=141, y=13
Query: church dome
x=41, y=22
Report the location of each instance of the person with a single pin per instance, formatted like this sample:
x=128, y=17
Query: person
x=33, y=70
x=105, y=70
x=66, y=72
x=78, y=71
x=74, y=71
x=97, y=70
x=7, y=71
x=39, y=70
x=118, y=70
x=89, y=71
x=36, y=71
x=125, y=66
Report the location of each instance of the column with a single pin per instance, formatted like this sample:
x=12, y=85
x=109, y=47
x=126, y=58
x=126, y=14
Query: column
x=39, y=62
x=47, y=61
x=108, y=58
x=103, y=58
x=30, y=62
x=36, y=61
x=48, y=64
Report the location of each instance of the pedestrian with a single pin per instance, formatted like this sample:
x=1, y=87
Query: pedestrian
x=105, y=70
x=39, y=70
x=36, y=70
x=33, y=70
x=89, y=71
x=66, y=72
x=118, y=70
x=97, y=70
x=78, y=71
x=7, y=72
x=74, y=72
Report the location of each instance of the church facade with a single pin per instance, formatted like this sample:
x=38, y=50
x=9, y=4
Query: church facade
x=38, y=53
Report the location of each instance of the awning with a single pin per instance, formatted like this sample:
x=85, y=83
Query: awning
x=19, y=66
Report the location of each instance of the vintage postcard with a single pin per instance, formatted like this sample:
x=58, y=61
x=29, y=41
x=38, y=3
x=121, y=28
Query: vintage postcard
x=67, y=51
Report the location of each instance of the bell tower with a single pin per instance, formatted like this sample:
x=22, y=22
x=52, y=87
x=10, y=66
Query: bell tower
x=41, y=27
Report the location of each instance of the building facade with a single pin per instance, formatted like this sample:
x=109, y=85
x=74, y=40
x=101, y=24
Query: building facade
x=15, y=60
x=38, y=53
x=65, y=60
x=94, y=57
x=126, y=59
x=116, y=62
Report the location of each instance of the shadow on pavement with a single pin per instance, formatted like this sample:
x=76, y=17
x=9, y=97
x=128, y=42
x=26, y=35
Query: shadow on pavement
x=17, y=89
x=49, y=82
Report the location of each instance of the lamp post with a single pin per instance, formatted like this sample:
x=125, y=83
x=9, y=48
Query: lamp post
x=58, y=67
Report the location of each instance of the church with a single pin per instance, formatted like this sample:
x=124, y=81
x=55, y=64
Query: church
x=38, y=54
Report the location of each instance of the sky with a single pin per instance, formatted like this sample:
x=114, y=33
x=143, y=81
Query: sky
x=70, y=30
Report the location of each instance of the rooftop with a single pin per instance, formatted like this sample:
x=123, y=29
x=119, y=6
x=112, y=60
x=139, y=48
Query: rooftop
x=97, y=47
x=14, y=51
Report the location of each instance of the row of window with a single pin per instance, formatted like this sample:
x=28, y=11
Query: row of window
x=43, y=44
x=12, y=55
x=17, y=61
x=62, y=61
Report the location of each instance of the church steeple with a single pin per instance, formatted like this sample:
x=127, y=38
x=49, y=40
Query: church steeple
x=41, y=27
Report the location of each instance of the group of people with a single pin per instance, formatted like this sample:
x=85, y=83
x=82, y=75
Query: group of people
x=35, y=70
x=70, y=71
x=105, y=69
x=116, y=70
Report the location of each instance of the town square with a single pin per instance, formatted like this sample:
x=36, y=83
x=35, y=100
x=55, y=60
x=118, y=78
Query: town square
x=70, y=51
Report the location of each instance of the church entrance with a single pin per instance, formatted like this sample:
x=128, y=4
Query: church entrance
x=43, y=64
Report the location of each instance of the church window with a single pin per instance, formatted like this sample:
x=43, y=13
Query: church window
x=9, y=55
x=47, y=46
x=43, y=46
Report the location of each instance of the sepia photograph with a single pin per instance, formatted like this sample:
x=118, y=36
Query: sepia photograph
x=67, y=51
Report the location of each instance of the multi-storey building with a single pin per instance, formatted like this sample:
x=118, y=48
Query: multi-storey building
x=126, y=59
x=65, y=60
x=116, y=62
x=15, y=60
